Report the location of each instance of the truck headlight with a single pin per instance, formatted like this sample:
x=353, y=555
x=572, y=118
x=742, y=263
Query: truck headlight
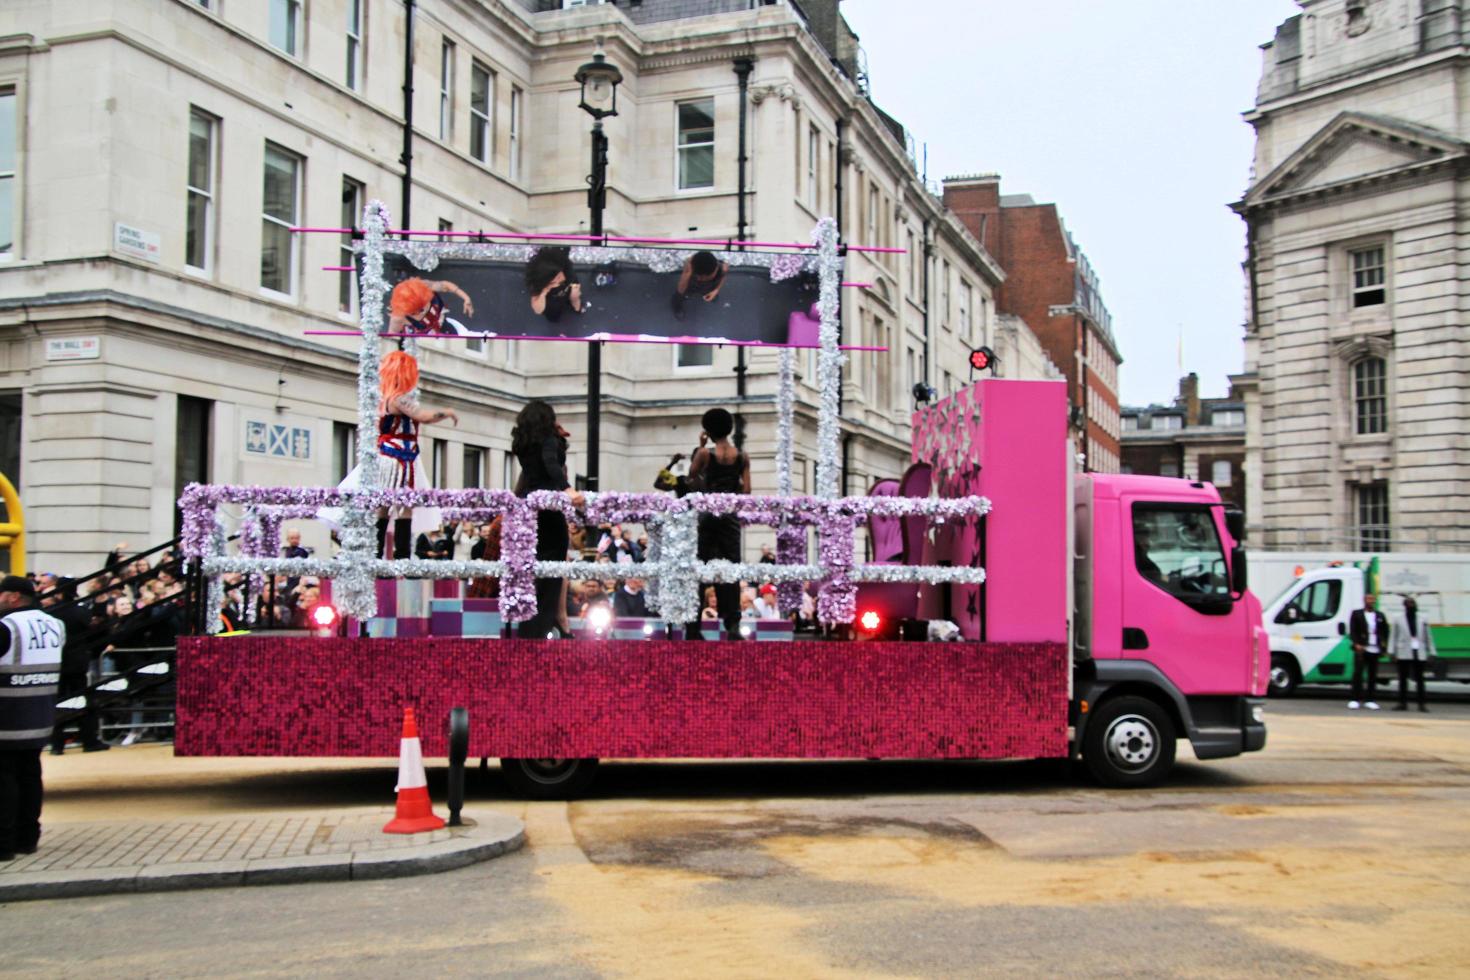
x=1258, y=713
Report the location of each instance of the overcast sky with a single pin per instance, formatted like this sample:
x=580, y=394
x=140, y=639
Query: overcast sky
x=1123, y=113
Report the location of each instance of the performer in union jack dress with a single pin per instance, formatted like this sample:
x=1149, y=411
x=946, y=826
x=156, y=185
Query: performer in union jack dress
x=399, y=418
x=416, y=307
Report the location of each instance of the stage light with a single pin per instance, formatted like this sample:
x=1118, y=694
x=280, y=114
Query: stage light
x=324, y=616
x=870, y=620
x=923, y=393
x=599, y=617
x=647, y=629
x=982, y=358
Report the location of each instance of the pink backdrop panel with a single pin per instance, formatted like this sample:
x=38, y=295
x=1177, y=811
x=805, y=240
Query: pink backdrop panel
x=623, y=698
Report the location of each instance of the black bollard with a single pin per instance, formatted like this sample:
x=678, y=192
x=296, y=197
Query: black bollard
x=459, y=750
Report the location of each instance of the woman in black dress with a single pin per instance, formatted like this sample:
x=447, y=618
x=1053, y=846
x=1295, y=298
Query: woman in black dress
x=540, y=446
x=720, y=468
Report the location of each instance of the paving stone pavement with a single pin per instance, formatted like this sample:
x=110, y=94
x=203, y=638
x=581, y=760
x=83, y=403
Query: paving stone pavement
x=118, y=856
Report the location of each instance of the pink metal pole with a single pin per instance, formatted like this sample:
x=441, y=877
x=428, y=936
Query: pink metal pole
x=723, y=242
x=857, y=285
x=348, y=268
x=605, y=338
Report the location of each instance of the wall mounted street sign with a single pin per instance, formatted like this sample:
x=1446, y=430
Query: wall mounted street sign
x=136, y=242
x=73, y=348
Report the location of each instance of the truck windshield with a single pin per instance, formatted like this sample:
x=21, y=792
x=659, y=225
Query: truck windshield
x=1178, y=549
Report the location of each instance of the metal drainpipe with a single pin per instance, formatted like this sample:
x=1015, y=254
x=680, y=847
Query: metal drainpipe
x=743, y=68
x=407, y=156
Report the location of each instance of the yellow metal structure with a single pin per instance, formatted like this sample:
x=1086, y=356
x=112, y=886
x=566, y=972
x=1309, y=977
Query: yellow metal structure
x=13, y=531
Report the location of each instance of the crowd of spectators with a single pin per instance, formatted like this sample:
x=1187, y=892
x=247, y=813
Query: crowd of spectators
x=117, y=620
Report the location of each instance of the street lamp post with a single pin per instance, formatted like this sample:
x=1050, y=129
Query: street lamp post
x=599, y=80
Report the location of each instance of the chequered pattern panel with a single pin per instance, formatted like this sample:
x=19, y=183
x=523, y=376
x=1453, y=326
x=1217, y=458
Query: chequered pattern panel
x=465, y=617
x=300, y=696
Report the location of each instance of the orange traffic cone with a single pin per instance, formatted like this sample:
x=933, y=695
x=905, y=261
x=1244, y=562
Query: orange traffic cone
x=415, y=812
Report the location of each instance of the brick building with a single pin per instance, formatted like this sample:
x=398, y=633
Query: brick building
x=1052, y=287
x=1195, y=438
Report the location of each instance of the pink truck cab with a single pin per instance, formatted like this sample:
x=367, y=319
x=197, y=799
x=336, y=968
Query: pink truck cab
x=1143, y=577
x=1167, y=639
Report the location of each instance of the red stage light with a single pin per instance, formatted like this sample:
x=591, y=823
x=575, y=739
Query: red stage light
x=982, y=358
x=324, y=615
x=870, y=620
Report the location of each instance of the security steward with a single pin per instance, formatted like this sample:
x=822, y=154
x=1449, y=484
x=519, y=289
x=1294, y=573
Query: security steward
x=30, y=674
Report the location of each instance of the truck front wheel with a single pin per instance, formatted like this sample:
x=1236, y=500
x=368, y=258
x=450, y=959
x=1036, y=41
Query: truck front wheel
x=548, y=779
x=1285, y=675
x=1130, y=742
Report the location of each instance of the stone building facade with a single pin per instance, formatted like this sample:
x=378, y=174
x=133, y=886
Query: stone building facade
x=1053, y=288
x=1194, y=438
x=1356, y=381
x=153, y=310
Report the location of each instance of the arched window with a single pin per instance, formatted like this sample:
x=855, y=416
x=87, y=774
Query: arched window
x=1370, y=395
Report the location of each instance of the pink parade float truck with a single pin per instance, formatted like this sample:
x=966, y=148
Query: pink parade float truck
x=1112, y=621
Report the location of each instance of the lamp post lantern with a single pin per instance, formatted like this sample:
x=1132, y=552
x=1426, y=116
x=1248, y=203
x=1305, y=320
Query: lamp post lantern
x=599, y=80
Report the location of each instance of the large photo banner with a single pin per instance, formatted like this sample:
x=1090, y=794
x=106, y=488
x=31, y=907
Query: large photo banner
x=667, y=295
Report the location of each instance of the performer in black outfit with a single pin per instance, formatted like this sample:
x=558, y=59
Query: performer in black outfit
x=540, y=446
x=703, y=276
x=552, y=283
x=720, y=468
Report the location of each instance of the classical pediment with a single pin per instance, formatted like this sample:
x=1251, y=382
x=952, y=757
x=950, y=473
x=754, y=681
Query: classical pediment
x=1355, y=148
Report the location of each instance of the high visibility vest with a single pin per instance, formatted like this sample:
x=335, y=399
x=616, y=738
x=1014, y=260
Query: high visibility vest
x=30, y=675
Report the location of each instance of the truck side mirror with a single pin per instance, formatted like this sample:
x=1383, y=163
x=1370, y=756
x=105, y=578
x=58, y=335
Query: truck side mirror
x=1238, y=576
x=1235, y=524
x=1342, y=629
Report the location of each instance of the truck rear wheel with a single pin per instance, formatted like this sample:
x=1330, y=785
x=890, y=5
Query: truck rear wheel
x=1130, y=742
x=1285, y=675
x=549, y=779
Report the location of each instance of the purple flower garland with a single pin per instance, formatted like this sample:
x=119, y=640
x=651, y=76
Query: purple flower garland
x=836, y=521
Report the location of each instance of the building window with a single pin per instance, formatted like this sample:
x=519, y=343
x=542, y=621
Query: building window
x=696, y=144
x=813, y=153
x=439, y=467
x=354, y=44
x=1169, y=468
x=1372, y=507
x=965, y=299
x=914, y=259
x=474, y=467
x=352, y=194
x=344, y=449
x=1168, y=422
x=277, y=244
x=446, y=90
x=508, y=471
x=285, y=26
x=694, y=355
x=1367, y=276
x=517, y=98
x=8, y=139
x=1130, y=423
x=199, y=214
x=872, y=229
x=1370, y=395
x=944, y=295
x=1220, y=473
x=482, y=99
x=1227, y=417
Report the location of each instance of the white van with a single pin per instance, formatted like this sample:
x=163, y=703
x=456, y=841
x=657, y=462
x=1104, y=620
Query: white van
x=1308, y=618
